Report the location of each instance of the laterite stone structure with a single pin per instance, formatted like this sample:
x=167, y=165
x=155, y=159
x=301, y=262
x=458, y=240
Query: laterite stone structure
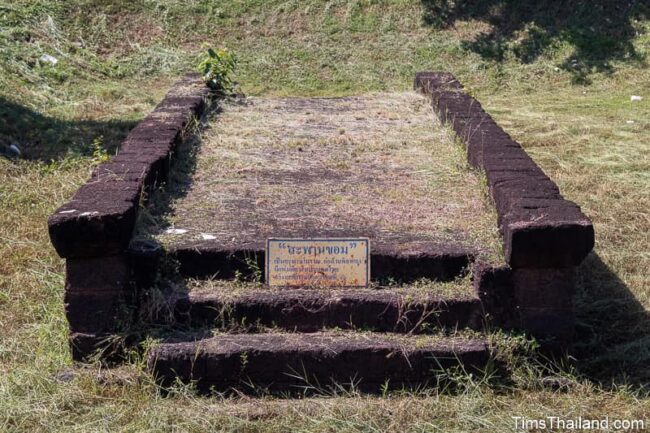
x=94, y=229
x=290, y=339
x=544, y=235
x=278, y=362
x=311, y=310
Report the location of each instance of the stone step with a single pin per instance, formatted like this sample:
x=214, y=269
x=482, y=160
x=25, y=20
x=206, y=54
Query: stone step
x=202, y=259
x=293, y=362
x=407, y=309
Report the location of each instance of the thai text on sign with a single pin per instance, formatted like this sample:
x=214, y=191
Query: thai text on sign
x=330, y=262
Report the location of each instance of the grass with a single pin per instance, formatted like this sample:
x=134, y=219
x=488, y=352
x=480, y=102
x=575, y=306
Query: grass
x=117, y=58
x=332, y=167
x=421, y=289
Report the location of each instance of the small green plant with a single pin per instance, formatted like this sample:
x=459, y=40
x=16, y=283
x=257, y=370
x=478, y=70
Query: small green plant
x=100, y=154
x=218, y=67
x=254, y=268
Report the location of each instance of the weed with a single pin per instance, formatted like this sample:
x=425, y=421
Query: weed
x=100, y=154
x=217, y=68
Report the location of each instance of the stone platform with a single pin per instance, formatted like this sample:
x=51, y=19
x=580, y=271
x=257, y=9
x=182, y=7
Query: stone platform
x=464, y=237
x=329, y=167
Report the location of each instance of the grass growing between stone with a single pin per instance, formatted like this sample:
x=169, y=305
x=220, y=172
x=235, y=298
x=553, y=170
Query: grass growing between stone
x=116, y=60
x=459, y=288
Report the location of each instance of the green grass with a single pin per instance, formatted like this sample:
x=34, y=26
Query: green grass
x=116, y=59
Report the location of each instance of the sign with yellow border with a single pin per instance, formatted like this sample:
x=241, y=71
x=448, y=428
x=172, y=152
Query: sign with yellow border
x=318, y=262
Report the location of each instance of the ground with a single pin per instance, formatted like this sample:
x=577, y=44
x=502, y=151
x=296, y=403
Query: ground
x=331, y=167
x=559, y=81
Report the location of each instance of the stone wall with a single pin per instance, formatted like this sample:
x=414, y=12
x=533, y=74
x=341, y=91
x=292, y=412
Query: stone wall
x=94, y=230
x=544, y=235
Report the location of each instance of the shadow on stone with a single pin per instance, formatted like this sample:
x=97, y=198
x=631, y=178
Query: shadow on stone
x=152, y=266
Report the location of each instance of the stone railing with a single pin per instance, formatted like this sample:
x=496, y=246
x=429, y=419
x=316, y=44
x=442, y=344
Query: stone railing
x=94, y=230
x=544, y=235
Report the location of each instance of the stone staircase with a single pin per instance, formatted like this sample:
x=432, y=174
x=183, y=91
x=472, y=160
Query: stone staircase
x=311, y=310
x=435, y=284
x=314, y=362
x=292, y=340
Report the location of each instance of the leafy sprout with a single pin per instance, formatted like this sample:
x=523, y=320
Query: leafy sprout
x=218, y=67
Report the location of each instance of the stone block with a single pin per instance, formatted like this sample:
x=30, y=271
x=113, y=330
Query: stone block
x=99, y=312
x=145, y=256
x=96, y=222
x=546, y=236
x=108, y=347
x=549, y=324
x=126, y=171
x=544, y=289
x=495, y=288
x=98, y=274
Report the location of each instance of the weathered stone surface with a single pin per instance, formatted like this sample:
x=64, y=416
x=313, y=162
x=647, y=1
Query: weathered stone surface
x=540, y=229
x=153, y=129
x=84, y=345
x=310, y=310
x=108, y=347
x=513, y=162
x=98, y=274
x=150, y=143
x=144, y=256
x=513, y=192
x=496, y=291
x=546, y=235
x=99, y=220
x=436, y=262
x=539, y=301
x=96, y=189
x=276, y=361
x=147, y=145
x=202, y=259
x=158, y=161
x=99, y=312
x=556, y=326
x=126, y=171
x=546, y=288
x=447, y=263
x=480, y=143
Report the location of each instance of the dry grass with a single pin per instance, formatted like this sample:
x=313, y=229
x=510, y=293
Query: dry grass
x=581, y=139
x=30, y=274
x=422, y=289
x=354, y=166
x=285, y=340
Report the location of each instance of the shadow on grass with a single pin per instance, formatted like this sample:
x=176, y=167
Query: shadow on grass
x=43, y=138
x=613, y=328
x=599, y=32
